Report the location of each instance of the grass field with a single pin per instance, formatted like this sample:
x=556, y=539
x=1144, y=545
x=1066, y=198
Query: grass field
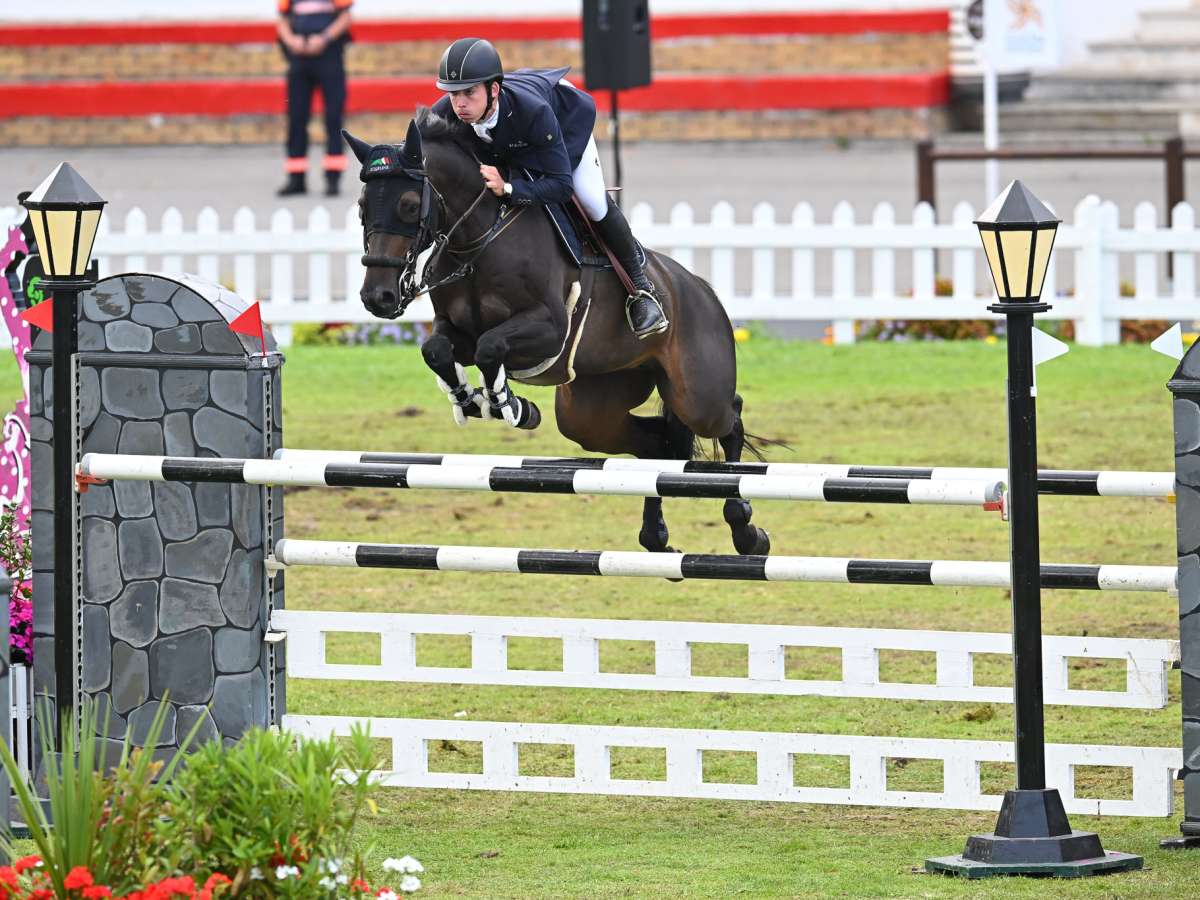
x=891, y=404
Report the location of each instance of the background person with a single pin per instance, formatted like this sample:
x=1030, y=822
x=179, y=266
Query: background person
x=313, y=35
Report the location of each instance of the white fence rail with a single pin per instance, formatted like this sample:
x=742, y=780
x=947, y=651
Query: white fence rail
x=1151, y=769
x=774, y=267
x=765, y=652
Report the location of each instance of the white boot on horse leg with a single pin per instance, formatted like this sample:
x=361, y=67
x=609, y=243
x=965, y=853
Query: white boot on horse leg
x=465, y=400
x=504, y=404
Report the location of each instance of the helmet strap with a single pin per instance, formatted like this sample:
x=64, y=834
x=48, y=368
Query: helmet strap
x=487, y=110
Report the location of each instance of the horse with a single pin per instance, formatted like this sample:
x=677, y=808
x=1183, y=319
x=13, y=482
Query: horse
x=510, y=299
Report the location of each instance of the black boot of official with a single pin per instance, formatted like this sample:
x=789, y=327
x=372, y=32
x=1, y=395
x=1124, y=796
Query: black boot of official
x=642, y=309
x=332, y=183
x=294, y=186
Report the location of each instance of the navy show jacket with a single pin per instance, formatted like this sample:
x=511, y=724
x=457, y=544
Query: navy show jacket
x=543, y=126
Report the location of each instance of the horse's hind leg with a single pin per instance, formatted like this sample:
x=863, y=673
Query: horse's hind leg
x=747, y=538
x=594, y=412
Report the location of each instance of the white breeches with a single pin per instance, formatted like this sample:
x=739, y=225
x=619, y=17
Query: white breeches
x=589, y=183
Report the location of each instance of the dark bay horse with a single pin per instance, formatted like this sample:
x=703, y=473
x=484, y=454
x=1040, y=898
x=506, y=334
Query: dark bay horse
x=506, y=299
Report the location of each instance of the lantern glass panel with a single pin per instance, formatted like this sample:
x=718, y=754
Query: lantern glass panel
x=37, y=218
x=992, y=250
x=1041, y=259
x=88, y=224
x=60, y=228
x=1018, y=246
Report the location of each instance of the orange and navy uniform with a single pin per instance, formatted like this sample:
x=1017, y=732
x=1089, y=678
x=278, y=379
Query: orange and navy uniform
x=308, y=73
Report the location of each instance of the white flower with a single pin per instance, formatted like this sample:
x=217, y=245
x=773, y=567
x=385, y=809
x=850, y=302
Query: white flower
x=342, y=879
x=461, y=714
x=406, y=865
x=285, y=872
x=328, y=883
x=387, y=895
x=256, y=874
x=333, y=865
x=410, y=883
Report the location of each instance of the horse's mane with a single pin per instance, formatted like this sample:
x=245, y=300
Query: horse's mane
x=435, y=128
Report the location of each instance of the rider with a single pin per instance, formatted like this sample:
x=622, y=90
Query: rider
x=532, y=120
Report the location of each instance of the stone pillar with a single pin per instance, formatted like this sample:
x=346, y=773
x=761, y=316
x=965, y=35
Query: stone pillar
x=1185, y=386
x=172, y=596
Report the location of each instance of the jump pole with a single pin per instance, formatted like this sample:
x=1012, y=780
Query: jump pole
x=1062, y=482
x=636, y=564
x=100, y=467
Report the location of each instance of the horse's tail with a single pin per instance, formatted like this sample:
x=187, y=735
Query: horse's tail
x=754, y=444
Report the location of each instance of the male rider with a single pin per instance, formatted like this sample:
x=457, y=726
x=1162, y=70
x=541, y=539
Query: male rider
x=531, y=120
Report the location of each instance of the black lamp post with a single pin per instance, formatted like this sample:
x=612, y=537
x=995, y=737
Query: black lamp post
x=65, y=214
x=1032, y=833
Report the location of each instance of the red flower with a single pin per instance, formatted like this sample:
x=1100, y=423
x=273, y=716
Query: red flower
x=26, y=862
x=217, y=878
x=97, y=892
x=359, y=885
x=78, y=877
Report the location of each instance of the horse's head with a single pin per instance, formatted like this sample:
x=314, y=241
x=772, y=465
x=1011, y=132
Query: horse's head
x=397, y=214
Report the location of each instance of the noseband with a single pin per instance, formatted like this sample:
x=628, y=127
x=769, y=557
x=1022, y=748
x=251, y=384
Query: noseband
x=425, y=234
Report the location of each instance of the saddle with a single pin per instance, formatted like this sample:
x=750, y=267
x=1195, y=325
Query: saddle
x=583, y=243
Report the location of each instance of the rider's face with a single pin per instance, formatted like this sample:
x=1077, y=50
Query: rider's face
x=470, y=103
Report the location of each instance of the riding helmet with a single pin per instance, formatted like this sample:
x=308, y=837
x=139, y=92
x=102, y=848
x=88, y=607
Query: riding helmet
x=466, y=62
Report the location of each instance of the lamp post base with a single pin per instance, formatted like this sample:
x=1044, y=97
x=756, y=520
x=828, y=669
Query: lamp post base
x=1033, y=837
x=1189, y=842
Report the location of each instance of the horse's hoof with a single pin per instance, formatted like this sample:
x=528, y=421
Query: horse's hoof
x=654, y=539
x=532, y=417
x=752, y=541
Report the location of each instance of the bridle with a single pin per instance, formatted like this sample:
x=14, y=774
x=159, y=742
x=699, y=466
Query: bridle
x=425, y=233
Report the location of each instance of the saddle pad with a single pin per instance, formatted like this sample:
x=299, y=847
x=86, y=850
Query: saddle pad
x=564, y=222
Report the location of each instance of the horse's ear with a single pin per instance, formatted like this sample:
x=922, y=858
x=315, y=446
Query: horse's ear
x=361, y=149
x=412, y=143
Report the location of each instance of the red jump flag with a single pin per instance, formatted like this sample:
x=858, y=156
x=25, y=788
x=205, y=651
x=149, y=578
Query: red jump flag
x=41, y=315
x=250, y=324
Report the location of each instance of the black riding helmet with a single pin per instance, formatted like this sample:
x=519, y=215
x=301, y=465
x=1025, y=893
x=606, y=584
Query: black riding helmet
x=469, y=61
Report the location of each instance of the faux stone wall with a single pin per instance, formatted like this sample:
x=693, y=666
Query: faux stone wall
x=173, y=597
x=1186, y=388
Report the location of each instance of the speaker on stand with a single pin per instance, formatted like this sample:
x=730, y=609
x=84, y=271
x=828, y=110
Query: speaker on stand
x=616, y=57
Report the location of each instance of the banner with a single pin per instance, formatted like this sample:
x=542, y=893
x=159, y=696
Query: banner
x=1021, y=34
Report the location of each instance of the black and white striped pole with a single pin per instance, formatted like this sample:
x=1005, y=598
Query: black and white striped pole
x=1033, y=835
x=65, y=213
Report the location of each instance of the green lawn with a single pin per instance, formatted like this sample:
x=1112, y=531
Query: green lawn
x=892, y=404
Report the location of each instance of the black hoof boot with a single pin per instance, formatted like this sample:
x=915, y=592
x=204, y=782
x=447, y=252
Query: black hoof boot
x=654, y=537
x=748, y=540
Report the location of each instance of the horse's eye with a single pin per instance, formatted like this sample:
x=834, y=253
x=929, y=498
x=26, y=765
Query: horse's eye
x=408, y=207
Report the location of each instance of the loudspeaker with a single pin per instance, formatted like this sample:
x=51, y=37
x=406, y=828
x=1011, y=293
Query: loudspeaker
x=616, y=44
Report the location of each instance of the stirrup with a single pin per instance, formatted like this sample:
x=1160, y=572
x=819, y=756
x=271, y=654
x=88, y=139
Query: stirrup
x=658, y=327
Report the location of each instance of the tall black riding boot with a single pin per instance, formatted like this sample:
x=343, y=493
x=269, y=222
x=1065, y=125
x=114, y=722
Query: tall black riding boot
x=642, y=309
x=295, y=185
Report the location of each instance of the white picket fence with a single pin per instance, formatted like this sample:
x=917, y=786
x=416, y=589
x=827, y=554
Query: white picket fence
x=769, y=268
x=1151, y=770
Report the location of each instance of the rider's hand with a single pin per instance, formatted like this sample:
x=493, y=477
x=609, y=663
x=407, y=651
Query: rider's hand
x=493, y=179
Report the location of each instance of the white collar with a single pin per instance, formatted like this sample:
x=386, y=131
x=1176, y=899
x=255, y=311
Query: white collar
x=483, y=128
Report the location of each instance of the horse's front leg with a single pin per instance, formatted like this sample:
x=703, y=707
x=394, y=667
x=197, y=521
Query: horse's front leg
x=444, y=351
x=529, y=335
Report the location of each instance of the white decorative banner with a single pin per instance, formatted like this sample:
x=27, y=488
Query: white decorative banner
x=1022, y=34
